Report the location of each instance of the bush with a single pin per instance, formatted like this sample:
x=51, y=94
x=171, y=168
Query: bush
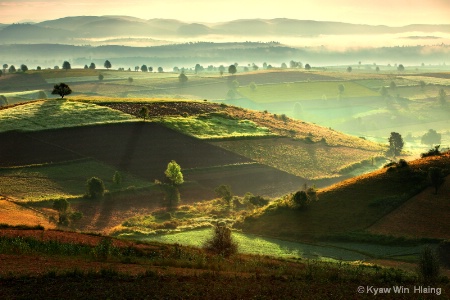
x=95, y=187
x=428, y=265
x=222, y=243
x=432, y=152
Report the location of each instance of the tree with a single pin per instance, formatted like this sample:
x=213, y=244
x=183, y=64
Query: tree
x=392, y=85
x=136, y=68
x=428, y=265
x=12, y=69
x=436, y=178
x=5, y=66
x=349, y=69
x=61, y=206
x=24, y=68
x=431, y=137
x=61, y=89
x=221, y=242
x=160, y=70
x=92, y=66
x=384, y=92
x=143, y=112
x=144, y=68
x=377, y=69
x=95, y=188
x=3, y=100
x=400, y=68
x=307, y=67
x=86, y=67
x=283, y=66
x=442, y=97
x=232, y=69
x=395, y=143
x=300, y=200
x=224, y=191
x=341, y=89
x=107, y=64
x=422, y=85
x=182, y=78
x=221, y=70
x=100, y=77
x=117, y=178
x=174, y=174
x=38, y=68
x=130, y=79
x=66, y=65
x=1, y=73
x=198, y=68
x=150, y=69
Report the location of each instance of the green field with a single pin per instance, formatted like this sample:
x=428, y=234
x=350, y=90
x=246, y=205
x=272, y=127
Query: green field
x=51, y=114
x=297, y=91
x=211, y=127
x=52, y=181
x=253, y=244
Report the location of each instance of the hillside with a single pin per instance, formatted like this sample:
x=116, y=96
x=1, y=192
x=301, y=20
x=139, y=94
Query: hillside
x=356, y=204
x=43, y=264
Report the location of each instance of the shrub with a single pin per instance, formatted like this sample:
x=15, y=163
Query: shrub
x=221, y=242
x=224, y=191
x=432, y=152
x=95, y=187
x=428, y=265
x=117, y=178
x=300, y=200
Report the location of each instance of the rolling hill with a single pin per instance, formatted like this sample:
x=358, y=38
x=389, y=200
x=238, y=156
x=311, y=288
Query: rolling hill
x=376, y=202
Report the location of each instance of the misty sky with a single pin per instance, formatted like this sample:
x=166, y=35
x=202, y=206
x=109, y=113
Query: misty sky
x=381, y=12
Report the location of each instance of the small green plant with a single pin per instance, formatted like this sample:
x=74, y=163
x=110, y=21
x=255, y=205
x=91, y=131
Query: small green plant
x=95, y=188
x=224, y=191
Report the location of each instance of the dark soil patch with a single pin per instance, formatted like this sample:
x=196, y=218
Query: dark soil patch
x=21, y=82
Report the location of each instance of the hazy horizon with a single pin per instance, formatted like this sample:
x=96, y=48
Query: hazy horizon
x=400, y=13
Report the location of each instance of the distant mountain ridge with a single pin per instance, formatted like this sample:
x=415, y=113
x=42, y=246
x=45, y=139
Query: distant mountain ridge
x=82, y=27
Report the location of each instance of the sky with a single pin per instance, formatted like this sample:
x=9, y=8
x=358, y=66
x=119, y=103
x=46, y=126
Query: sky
x=380, y=12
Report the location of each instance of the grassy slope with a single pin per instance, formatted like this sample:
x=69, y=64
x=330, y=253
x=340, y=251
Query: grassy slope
x=14, y=214
x=347, y=206
x=46, y=264
x=52, y=181
x=51, y=114
x=424, y=215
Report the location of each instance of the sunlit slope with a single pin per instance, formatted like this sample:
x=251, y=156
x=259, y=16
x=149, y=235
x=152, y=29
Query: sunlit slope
x=14, y=214
x=300, y=148
x=51, y=114
x=356, y=204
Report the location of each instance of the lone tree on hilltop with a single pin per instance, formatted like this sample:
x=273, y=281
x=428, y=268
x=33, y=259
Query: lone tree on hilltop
x=66, y=65
x=431, y=138
x=107, y=64
x=24, y=68
x=307, y=67
x=61, y=89
x=395, y=143
x=92, y=66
